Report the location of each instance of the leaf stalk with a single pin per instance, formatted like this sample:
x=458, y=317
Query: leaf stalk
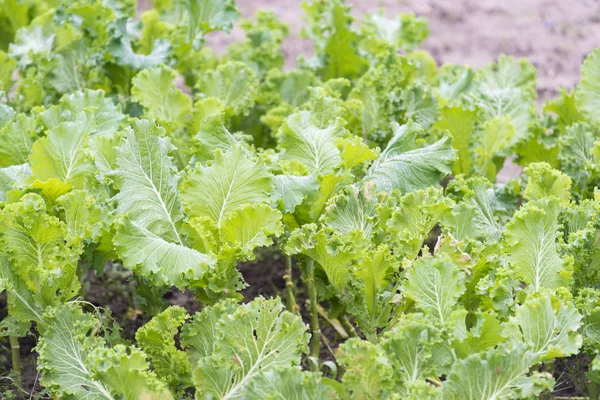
x=315, y=341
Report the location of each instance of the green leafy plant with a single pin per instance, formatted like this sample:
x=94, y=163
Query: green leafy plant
x=128, y=146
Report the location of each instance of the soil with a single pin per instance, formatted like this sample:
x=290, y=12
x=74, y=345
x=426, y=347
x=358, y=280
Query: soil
x=555, y=35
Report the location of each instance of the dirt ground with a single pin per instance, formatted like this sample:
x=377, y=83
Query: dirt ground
x=555, y=35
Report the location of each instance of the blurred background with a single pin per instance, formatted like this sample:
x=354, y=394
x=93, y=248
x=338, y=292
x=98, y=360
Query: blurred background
x=555, y=35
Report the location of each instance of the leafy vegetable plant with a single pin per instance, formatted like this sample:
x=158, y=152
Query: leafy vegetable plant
x=128, y=146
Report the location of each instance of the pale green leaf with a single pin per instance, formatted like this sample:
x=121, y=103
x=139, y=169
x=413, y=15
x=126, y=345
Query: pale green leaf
x=147, y=183
x=484, y=335
x=416, y=349
x=435, y=286
x=459, y=122
x=153, y=88
x=157, y=339
x=250, y=226
x=414, y=216
x=496, y=374
x=587, y=95
x=530, y=245
x=13, y=177
x=290, y=383
x=549, y=333
x=210, y=15
x=304, y=138
x=407, y=166
x=85, y=219
x=233, y=180
x=368, y=373
x=160, y=260
x=106, y=115
x=542, y=181
x=233, y=83
x=16, y=139
x=255, y=339
x=332, y=252
x=62, y=153
x=64, y=350
x=290, y=191
x=353, y=211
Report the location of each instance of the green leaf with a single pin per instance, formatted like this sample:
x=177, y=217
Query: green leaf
x=578, y=158
x=530, y=245
x=233, y=180
x=85, y=219
x=549, y=333
x=13, y=177
x=496, y=374
x=106, y=116
x=201, y=335
x=212, y=135
x=147, y=182
x=121, y=49
x=233, y=83
x=334, y=253
x=407, y=166
x=405, y=31
x=414, y=217
x=507, y=88
x=62, y=153
x=542, y=182
x=416, y=349
x=158, y=259
x=249, y=227
x=565, y=109
x=494, y=140
x=354, y=151
x=338, y=50
x=475, y=215
x=7, y=67
x=16, y=139
x=352, y=212
x=157, y=339
x=153, y=88
x=35, y=245
x=29, y=43
x=289, y=384
x=374, y=274
x=290, y=191
x=64, y=352
x=435, y=286
x=368, y=372
x=75, y=363
x=127, y=372
x=210, y=15
x=306, y=138
x=587, y=95
x=486, y=334
x=459, y=122
x=148, y=237
x=420, y=105
x=255, y=339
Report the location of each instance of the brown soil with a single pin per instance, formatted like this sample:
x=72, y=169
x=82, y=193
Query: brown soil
x=555, y=35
